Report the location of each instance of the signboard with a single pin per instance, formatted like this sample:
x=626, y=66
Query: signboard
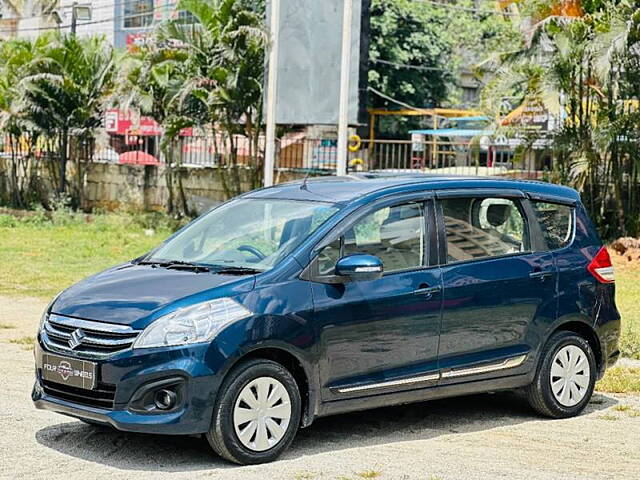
x=309, y=60
x=137, y=40
x=118, y=122
x=531, y=116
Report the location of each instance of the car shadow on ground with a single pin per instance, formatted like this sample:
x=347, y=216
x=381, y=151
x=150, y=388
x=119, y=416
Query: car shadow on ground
x=420, y=421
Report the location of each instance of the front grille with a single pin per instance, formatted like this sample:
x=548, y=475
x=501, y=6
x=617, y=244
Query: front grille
x=84, y=338
x=102, y=396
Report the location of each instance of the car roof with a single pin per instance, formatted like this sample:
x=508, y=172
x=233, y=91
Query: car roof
x=349, y=188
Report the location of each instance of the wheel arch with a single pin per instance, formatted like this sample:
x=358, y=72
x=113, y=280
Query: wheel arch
x=299, y=369
x=588, y=333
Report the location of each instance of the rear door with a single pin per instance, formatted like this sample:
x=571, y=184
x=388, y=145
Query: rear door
x=380, y=336
x=499, y=287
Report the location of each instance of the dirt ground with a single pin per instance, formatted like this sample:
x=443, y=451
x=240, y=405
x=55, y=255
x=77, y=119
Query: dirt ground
x=479, y=437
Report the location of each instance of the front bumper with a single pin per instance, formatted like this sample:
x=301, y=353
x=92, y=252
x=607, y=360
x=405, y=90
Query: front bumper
x=130, y=372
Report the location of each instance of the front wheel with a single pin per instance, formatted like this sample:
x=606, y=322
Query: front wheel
x=566, y=377
x=257, y=413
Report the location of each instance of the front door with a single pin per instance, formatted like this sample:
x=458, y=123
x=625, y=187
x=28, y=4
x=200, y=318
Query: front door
x=380, y=336
x=498, y=291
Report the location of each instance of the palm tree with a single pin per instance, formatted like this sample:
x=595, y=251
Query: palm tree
x=583, y=64
x=224, y=69
x=16, y=58
x=151, y=77
x=66, y=93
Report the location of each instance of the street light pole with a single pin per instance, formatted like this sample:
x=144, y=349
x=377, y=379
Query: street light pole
x=74, y=19
x=272, y=91
x=345, y=76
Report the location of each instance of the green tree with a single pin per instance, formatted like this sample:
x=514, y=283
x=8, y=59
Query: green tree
x=16, y=58
x=66, y=93
x=584, y=67
x=418, y=50
x=224, y=67
x=151, y=79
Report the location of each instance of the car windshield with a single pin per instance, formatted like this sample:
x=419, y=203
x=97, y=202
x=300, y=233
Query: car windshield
x=251, y=234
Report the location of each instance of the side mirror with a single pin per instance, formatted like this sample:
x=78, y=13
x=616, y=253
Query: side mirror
x=360, y=268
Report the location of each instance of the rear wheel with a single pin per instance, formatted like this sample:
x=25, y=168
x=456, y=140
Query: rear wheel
x=257, y=413
x=566, y=377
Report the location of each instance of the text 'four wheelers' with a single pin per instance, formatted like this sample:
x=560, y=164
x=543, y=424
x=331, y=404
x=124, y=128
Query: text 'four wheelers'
x=328, y=296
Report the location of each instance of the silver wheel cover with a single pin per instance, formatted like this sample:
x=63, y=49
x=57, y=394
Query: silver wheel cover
x=262, y=413
x=570, y=375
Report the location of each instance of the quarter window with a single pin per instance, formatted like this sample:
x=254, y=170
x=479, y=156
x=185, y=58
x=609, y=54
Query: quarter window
x=556, y=223
x=484, y=227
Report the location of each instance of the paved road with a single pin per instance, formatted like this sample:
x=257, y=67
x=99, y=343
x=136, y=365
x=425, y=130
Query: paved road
x=480, y=437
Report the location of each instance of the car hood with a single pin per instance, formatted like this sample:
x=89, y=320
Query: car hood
x=136, y=295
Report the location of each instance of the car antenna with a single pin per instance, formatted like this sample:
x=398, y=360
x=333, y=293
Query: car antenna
x=304, y=182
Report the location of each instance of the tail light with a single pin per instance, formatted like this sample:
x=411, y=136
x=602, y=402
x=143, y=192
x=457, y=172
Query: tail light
x=601, y=267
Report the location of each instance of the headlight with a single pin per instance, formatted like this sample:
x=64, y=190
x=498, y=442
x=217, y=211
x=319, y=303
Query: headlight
x=196, y=324
x=45, y=314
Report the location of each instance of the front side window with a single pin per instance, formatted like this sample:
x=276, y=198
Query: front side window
x=394, y=234
x=483, y=227
x=556, y=223
x=138, y=13
x=246, y=233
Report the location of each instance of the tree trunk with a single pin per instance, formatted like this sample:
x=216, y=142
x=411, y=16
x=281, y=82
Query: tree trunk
x=64, y=146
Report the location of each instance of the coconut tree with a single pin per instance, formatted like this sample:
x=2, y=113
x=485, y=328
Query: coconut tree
x=223, y=67
x=581, y=59
x=150, y=78
x=66, y=93
x=16, y=59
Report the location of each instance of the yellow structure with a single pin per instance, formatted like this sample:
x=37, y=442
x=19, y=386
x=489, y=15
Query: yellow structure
x=434, y=113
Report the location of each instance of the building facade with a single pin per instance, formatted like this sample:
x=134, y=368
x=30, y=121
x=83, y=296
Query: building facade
x=122, y=22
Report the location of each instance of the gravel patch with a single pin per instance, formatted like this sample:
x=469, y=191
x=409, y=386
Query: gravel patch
x=484, y=437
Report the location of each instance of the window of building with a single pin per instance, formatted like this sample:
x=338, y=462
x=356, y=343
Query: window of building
x=484, y=227
x=138, y=13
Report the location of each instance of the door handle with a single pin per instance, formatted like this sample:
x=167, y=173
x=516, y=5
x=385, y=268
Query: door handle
x=540, y=275
x=428, y=291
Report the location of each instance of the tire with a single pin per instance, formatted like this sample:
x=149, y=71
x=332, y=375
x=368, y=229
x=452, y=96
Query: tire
x=566, y=391
x=249, y=381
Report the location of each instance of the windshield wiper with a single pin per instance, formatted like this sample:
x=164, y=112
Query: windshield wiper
x=178, y=265
x=236, y=270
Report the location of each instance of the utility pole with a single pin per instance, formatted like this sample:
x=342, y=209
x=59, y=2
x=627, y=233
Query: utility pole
x=272, y=92
x=74, y=19
x=345, y=75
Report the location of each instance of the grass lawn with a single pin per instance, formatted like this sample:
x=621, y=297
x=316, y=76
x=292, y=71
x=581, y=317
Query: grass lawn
x=628, y=302
x=39, y=258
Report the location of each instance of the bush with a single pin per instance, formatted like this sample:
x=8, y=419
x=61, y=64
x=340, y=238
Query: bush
x=8, y=221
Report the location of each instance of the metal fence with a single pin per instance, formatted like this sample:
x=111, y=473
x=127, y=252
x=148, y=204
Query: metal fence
x=319, y=156
x=441, y=157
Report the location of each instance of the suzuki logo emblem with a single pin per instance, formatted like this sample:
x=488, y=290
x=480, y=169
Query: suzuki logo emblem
x=76, y=339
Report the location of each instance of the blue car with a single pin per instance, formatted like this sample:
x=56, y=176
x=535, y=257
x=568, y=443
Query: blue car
x=328, y=296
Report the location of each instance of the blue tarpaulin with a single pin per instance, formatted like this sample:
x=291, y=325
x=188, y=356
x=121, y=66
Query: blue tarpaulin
x=452, y=132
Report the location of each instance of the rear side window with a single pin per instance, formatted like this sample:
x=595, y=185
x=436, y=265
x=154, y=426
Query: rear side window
x=556, y=223
x=484, y=227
